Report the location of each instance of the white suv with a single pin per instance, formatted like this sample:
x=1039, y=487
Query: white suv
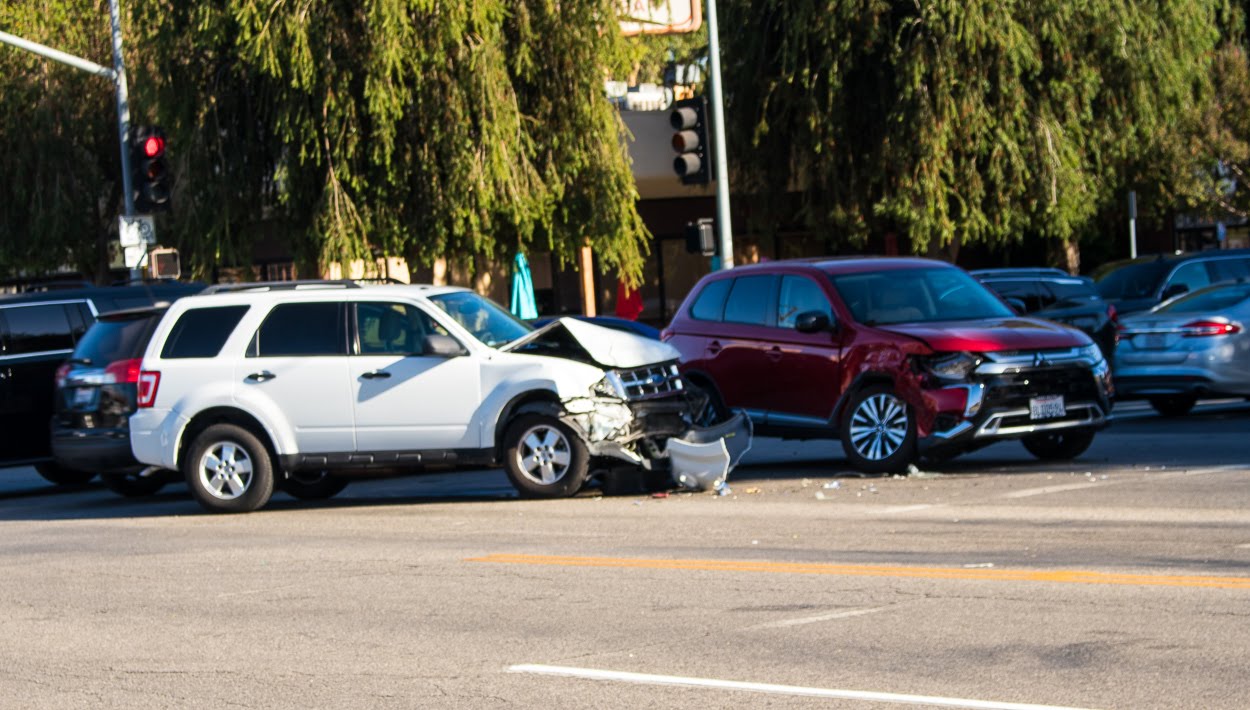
x=300, y=385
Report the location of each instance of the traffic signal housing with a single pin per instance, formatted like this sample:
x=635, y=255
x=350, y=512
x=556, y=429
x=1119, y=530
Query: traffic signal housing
x=163, y=263
x=150, y=176
x=701, y=237
x=689, y=119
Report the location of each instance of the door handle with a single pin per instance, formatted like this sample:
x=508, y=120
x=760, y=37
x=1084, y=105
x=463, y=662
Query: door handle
x=261, y=376
x=376, y=375
x=713, y=347
x=774, y=353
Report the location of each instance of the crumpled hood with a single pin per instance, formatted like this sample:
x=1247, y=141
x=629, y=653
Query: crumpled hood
x=992, y=335
x=607, y=347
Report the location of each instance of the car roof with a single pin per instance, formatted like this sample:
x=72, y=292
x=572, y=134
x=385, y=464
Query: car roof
x=839, y=265
x=1048, y=278
x=81, y=293
x=317, y=290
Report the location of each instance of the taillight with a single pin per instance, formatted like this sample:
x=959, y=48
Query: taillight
x=1112, y=314
x=1206, y=328
x=124, y=371
x=148, y=383
x=62, y=373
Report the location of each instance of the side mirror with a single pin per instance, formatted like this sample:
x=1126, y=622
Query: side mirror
x=442, y=346
x=812, y=322
x=1174, y=290
x=1016, y=305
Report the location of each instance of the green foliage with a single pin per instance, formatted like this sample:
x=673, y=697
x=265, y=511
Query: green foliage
x=962, y=120
x=347, y=128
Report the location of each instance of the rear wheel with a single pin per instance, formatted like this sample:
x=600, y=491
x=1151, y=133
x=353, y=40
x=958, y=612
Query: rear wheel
x=544, y=458
x=878, y=431
x=134, y=485
x=229, y=470
x=1058, y=445
x=1177, y=405
x=62, y=476
x=313, y=486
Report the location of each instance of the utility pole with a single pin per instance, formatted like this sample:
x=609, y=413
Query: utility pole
x=720, y=159
x=1132, y=224
x=123, y=106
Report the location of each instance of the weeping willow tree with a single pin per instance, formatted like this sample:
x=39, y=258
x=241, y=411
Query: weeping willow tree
x=961, y=121
x=343, y=129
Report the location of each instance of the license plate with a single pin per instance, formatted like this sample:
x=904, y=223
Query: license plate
x=1153, y=341
x=1047, y=407
x=82, y=396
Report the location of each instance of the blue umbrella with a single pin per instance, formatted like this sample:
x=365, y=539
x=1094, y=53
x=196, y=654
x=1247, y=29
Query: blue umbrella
x=523, y=304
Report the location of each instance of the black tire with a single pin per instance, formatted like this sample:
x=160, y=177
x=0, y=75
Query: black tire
x=1177, y=405
x=540, y=446
x=1059, y=445
x=714, y=410
x=312, y=486
x=134, y=486
x=872, y=449
x=239, y=463
x=58, y=474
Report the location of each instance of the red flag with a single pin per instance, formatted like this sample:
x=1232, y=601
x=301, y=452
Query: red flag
x=628, y=301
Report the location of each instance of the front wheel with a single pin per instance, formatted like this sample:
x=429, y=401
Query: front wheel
x=544, y=458
x=878, y=431
x=229, y=470
x=1177, y=405
x=1058, y=445
x=313, y=486
x=58, y=474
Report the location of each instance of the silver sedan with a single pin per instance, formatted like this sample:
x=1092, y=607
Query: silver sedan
x=1191, y=346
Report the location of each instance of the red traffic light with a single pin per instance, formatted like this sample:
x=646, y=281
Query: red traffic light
x=153, y=146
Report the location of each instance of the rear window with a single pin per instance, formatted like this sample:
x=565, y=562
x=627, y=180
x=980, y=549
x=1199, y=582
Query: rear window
x=1209, y=300
x=201, y=332
x=710, y=304
x=302, y=330
x=111, y=340
x=37, y=329
x=1072, y=291
x=1134, y=281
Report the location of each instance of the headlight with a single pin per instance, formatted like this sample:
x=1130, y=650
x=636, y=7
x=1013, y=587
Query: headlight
x=611, y=386
x=954, y=367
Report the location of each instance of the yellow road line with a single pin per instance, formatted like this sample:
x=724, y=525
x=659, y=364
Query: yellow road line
x=989, y=575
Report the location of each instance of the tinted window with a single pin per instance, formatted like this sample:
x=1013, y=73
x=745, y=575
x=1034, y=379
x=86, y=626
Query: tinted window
x=800, y=295
x=1193, y=276
x=393, y=328
x=710, y=305
x=200, y=332
x=1030, y=293
x=115, y=339
x=302, y=329
x=917, y=296
x=1231, y=269
x=749, y=299
x=1134, y=281
x=1072, y=290
x=1211, y=300
x=36, y=329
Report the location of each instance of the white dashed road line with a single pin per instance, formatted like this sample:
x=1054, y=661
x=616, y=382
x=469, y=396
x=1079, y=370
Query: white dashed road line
x=794, y=690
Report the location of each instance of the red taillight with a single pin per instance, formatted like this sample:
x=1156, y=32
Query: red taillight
x=62, y=372
x=1112, y=314
x=124, y=371
x=148, y=383
x=1205, y=328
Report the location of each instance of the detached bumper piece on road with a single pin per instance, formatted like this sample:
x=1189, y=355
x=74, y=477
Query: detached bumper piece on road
x=703, y=457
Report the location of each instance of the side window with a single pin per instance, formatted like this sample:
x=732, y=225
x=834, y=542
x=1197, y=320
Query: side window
x=710, y=304
x=1192, y=275
x=800, y=294
x=301, y=330
x=1231, y=269
x=1027, y=292
x=393, y=328
x=749, y=300
x=37, y=329
x=201, y=332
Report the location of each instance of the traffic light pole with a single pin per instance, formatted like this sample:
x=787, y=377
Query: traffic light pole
x=123, y=106
x=720, y=161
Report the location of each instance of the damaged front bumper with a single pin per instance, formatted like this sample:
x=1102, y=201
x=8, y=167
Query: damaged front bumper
x=659, y=434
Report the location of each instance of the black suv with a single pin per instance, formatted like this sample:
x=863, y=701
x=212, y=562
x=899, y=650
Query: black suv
x=38, y=331
x=1054, y=295
x=1146, y=281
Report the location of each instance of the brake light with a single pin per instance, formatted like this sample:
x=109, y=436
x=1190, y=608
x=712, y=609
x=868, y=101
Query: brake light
x=124, y=371
x=1207, y=328
x=148, y=383
x=1112, y=314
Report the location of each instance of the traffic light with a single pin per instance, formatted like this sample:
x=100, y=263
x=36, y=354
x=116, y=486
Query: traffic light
x=151, y=180
x=701, y=237
x=693, y=162
x=163, y=263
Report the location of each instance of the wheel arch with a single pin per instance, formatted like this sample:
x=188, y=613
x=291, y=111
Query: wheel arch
x=539, y=401
x=862, y=381
x=225, y=415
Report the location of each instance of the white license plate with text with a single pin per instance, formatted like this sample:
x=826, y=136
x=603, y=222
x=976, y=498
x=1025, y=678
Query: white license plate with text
x=1050, y=407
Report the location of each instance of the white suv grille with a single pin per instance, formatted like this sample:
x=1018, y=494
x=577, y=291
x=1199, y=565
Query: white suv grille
x=648, y=382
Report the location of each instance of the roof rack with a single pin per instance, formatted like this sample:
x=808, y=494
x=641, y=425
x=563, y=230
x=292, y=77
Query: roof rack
x=307, y=284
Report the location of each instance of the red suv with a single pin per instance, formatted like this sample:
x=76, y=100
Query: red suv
x=897, y=357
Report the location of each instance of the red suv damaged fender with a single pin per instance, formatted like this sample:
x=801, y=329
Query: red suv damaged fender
x=895, y=357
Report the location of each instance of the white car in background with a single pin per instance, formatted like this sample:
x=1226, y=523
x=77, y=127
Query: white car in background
x=301, y=385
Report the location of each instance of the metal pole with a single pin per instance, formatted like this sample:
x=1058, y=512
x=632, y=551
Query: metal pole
x=57, y=55
x=1132, y=224
x=123, y=107
x=718, y=144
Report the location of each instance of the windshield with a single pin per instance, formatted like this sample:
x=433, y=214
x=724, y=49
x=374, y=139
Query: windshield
x=1208, y=300
x=917, y=296
x=1133, y=281
x=486, y=320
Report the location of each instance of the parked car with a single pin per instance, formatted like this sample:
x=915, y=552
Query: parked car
x=1071, y=300
x=1190, y=347
x=1140, y=284
x=303, y=385
x=621, y=324
x=895, y=357
x=38, y=331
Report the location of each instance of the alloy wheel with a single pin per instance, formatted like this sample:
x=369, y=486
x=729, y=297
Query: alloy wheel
x=225, y=470
x=879, y=426
x=544, y=454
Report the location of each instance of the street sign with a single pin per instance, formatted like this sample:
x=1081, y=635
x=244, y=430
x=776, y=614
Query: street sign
x=660, y=17
x=136, y=231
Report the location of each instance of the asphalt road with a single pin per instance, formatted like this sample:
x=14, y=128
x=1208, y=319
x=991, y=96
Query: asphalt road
x=1120, y=580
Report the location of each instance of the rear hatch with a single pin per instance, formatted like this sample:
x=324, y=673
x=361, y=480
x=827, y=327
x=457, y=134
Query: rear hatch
x=97, y=386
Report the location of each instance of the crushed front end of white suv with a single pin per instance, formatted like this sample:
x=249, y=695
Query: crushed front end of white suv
x=300, y=387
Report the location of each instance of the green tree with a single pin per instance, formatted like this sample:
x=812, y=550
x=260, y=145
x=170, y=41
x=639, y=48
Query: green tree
x=960, y=121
